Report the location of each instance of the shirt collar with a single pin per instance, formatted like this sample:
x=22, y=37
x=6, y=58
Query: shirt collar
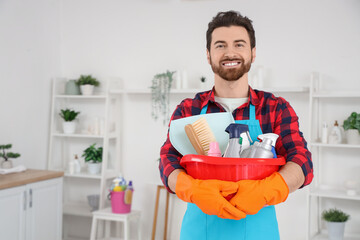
x=253, y=98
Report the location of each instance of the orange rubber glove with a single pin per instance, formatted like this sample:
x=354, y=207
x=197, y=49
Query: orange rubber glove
x=253, y=195
x=208, y=195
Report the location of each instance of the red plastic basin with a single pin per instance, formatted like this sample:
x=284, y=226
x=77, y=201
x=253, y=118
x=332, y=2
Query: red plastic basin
x=230, y=169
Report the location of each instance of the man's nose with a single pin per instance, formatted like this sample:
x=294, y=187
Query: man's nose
x=230, y=52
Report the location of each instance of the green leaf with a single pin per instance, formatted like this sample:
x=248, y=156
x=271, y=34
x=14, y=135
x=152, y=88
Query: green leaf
x=87, y=79
x=93, y=154
x=68, y=115
x=335, y=215
x=352, y=122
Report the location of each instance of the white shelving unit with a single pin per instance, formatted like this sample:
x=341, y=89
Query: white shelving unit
x=196, y=90
x=62, y=147
x=321, y=193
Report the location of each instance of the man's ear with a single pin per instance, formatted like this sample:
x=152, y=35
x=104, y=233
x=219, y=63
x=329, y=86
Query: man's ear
x=208, y=56
x=253, y=53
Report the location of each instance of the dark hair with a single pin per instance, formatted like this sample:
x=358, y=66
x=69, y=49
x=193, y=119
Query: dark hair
x=227, y=19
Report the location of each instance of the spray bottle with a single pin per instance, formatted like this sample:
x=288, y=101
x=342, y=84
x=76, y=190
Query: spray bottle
x=273, y=137
x=259, y=150
x=239, y=139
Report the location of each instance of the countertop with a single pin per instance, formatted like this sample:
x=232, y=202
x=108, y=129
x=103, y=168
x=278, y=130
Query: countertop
x=29, y=176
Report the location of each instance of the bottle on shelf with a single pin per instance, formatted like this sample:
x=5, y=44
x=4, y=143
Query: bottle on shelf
x=324, y=133
x=77, y=164
x=335, y=136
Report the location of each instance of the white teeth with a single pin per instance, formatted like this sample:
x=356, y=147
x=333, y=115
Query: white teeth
x=231, y=64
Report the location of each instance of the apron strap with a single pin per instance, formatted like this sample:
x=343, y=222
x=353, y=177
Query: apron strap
x=204, y=109
x=252, y=112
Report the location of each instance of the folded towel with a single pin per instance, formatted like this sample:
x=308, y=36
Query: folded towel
x=19, y=168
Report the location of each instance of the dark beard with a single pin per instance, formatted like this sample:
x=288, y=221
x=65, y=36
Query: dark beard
x=231, y=74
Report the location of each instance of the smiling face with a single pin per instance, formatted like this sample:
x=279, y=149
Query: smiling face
x=230, y=53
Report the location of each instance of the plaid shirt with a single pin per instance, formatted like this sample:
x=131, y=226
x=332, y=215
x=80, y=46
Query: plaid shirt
x=274, y=114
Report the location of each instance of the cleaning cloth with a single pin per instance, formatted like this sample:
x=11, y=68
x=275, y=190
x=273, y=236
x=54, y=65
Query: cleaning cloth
x=19, y=168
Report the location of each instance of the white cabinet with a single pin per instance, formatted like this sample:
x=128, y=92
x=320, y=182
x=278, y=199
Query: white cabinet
x=32, y=211
x=334, y=164
x=98, y=122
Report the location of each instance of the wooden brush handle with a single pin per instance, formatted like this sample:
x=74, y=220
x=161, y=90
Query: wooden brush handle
x=194, y=139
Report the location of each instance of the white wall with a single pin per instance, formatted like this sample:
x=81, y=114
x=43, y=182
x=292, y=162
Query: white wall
x=29, y=57
x=137, y=39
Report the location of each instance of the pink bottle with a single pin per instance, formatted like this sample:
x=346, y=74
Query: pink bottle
x=214, y=150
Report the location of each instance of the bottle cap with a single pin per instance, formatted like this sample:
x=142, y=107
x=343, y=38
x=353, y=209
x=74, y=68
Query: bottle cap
x=235, y=129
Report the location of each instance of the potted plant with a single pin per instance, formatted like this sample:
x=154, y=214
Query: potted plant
x=160, y=95
x=87, y=84
x=203, y=82
x=352, y=128
x=335, y=221
x=93, y=156
x=7, y=163
x=69, y=125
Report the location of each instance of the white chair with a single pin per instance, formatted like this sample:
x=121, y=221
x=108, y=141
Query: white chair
x=107, y=216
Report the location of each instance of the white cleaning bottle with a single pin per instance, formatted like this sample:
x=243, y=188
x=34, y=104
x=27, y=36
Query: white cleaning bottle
x=77, y=164
x=335, y=136
x=259, y=150
x=273, y=137
x=324, y=133
x=239, y=139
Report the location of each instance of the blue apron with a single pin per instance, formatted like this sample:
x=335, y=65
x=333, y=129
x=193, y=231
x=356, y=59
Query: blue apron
x=261, y=226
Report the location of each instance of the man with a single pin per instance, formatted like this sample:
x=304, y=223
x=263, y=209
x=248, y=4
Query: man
x=250, y=214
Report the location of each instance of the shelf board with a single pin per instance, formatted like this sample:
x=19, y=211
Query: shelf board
x=148, y=91
x=106, y=238
x=196, y=90
x=76, y=238
x=108, y=175
x=342, y=145
x=333, y=94
x=79, y=135
x=77, y=209
x=82, y=175
x=286, y=89
x=324, y=236
x=333, y=193
x=96, y=96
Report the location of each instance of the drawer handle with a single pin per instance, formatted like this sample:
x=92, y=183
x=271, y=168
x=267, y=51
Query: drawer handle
x=25, y=200
x=30, y=201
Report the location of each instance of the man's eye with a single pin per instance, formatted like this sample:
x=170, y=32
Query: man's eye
x=239, y=45
x=220, y=46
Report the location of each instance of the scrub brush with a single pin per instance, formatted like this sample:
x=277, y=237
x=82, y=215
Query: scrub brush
x=200, y=135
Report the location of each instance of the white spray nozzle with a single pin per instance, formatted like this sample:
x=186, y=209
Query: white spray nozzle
x=272, y=136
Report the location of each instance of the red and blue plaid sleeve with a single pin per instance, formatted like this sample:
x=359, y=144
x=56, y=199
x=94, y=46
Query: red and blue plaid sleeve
x=169, y=156
x=291, y=143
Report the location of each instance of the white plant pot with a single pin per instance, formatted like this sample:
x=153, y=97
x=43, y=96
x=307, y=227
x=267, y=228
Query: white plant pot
x=6, y=164
x=352, y=136
x=69, y=127
x=87, y=89
x=336, y=230
x=94, y=168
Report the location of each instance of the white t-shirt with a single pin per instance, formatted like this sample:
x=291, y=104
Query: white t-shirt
x=230, y=104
